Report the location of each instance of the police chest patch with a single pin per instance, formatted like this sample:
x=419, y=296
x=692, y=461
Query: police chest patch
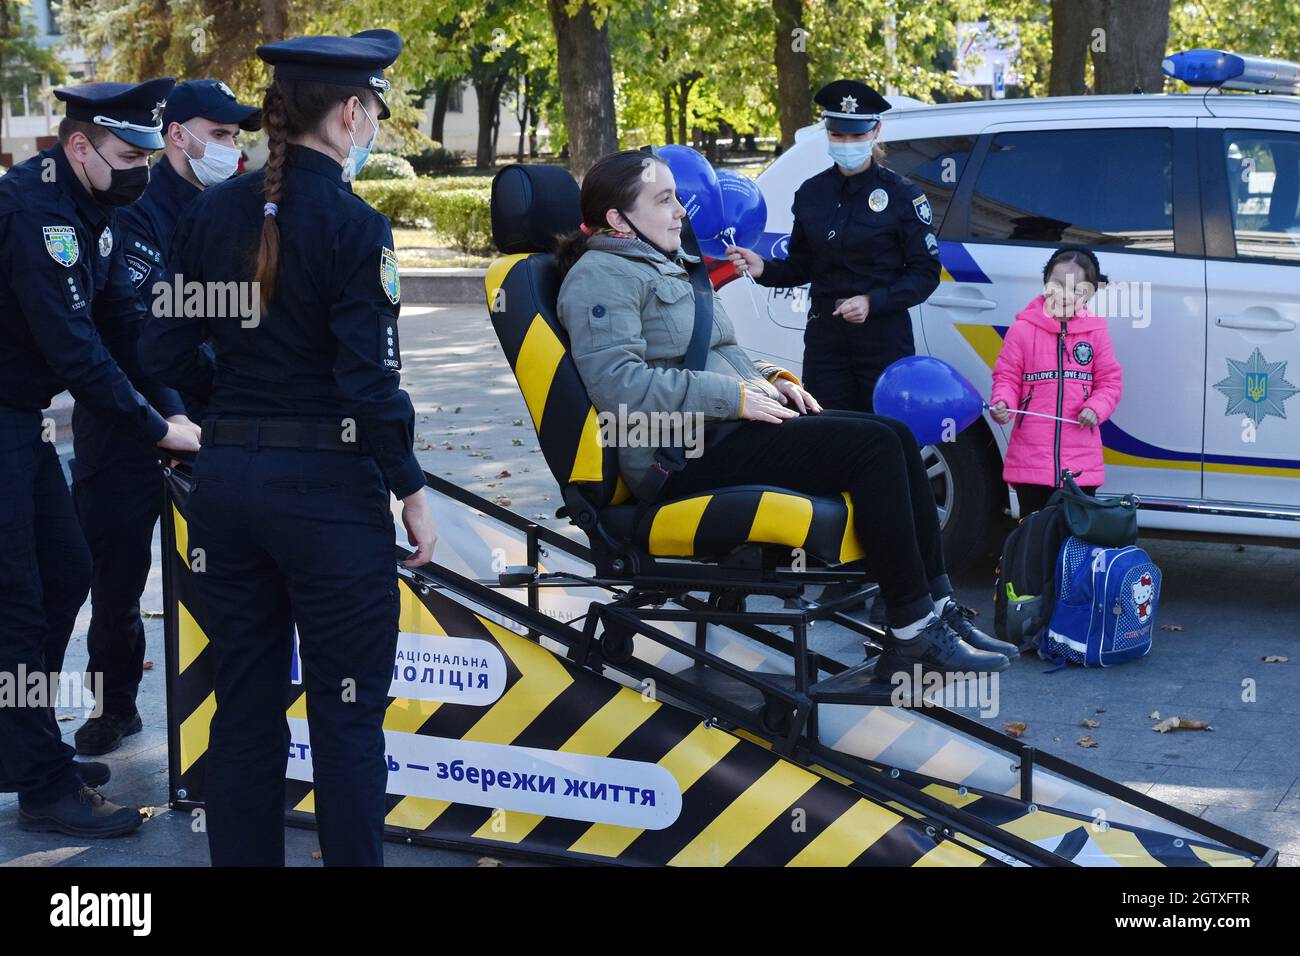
x=388, y=278
x=106, y=241
x=923, y=212
x=878, y=200
x=61, y=244
x=138, y=269
x=1082, y=353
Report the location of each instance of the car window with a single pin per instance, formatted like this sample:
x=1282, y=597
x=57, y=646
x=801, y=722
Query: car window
x=934, y=164
x=1098, y=187
x=1264, y=181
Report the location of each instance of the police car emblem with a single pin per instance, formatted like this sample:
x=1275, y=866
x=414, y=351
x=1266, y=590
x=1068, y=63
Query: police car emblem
x=137, y=268
x=61, y=244
x=1256, y=388
x=106, y=241
x=923, y=212
x=1082, y=353
x=388, y=277
x=878, y=200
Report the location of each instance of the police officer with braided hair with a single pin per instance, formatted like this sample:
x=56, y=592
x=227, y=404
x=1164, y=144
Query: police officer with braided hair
x=306, y=433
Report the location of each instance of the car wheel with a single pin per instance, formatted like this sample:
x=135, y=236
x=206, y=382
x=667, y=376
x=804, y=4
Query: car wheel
x=963, y=494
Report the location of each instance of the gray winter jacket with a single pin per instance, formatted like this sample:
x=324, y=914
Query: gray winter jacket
x=629, y=312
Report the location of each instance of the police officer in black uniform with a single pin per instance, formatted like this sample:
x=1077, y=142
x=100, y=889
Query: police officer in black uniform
x=862, y=237
x=116, y=484
x=306, y=433
x=69, y=318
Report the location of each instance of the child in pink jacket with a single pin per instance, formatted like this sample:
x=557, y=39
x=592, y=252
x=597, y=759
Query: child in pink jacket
x=1058, y=360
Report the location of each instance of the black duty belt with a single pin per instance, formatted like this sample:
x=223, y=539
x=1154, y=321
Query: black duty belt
x=254, y=433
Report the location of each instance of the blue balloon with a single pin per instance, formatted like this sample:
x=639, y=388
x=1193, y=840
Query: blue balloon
x=697, y=188
x=927, y=395
x=743, y=209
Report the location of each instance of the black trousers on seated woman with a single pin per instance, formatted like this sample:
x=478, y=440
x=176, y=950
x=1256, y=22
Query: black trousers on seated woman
x=876, y=460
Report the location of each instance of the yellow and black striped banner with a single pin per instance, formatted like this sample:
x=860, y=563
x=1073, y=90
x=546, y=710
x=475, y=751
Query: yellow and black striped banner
x=635, y=781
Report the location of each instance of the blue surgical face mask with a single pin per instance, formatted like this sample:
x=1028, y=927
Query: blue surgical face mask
x=849, y=155
x=357, y=155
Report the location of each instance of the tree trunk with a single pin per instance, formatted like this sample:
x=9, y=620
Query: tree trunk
x=1136, y=34
x=586, y=85
x=1072, y=25
x=275, y=20
x=794, y=100
x=668, y=115
x=438, y=126
x=485, y=93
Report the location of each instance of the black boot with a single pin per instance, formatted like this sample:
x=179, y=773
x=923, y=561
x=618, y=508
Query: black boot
x=80, y=813
x=103, y=734
x=93, y=773
x=937, y=648
x=959, y=619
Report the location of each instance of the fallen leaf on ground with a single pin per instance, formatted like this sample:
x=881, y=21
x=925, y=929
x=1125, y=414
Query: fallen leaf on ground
x=151, y=614
x=315, y=854
x=1087, y=742
x=488, y=861
x=503, y=474
x=1101, y=710
x=516, y=441
x=1090, y=723
x=1170, y=627
x=148, y=665
x=1177, y=723
x=1017, y=729
x=501, y=500
x=1275, y=659
x=1155, y=715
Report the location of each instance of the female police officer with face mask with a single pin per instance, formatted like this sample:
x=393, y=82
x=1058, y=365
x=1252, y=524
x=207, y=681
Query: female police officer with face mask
x=306, y=434
x=862, y=237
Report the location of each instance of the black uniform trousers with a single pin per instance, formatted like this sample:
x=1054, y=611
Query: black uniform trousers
x=842, y=360
x=291, y=537
x=44, y=577
x=876, y=460
x=119, y=506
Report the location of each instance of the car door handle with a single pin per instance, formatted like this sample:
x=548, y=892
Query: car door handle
x=1254, y=323
x=961, y=302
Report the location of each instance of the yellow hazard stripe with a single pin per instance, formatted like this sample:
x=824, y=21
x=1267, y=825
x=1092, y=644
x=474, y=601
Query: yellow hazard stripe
x=539, y=357
x=589, y=459
x=603, y=731
x=748, y=815
x=693, y=757
x=190, y=638
x=854, y=832
x=182, y=535
x=850, y=547
x=195, y=730
x=781, y=519
x=496, y=274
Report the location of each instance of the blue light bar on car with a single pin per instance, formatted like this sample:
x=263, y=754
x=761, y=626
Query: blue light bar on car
x=1230, y=71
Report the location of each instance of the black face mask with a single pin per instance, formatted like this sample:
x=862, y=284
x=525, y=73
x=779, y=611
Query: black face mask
x=125, y=186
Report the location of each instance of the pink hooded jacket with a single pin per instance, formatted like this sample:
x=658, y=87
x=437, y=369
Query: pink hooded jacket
x=1035, y=358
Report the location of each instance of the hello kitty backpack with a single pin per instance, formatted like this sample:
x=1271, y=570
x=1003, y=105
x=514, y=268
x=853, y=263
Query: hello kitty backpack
x=1105, y=606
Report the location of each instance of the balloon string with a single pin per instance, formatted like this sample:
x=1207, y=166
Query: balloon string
x=730, y=233
x=1055, y=418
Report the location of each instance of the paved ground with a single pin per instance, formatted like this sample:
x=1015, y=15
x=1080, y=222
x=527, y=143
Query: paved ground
x=1235, y=605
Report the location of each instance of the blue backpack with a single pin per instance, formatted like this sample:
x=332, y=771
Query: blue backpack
x=1105, y=606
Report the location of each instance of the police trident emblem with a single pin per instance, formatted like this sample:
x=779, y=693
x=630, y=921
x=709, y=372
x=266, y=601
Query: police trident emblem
x=1256, y=388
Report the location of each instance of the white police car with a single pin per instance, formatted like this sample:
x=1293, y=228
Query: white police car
x=1191, y=203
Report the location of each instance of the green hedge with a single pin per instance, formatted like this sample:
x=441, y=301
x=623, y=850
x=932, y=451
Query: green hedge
x=386, y=166
x=462, y=216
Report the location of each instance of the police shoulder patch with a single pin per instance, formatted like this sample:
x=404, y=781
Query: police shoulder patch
x=137, y=268
x=922, y=206
x=388, y=277
x=61, y=244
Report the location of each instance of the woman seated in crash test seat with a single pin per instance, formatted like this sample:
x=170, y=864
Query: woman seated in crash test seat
x=629, y=309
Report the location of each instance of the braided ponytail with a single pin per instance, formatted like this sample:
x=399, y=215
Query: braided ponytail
x=275, y=121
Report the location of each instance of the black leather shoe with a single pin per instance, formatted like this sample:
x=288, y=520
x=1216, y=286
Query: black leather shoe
x=937, y=649
x=103, y=734
x=93, y=773
x=959, y=619
x=83, y=813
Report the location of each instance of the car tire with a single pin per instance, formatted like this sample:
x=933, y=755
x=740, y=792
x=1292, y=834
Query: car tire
x=962, y=479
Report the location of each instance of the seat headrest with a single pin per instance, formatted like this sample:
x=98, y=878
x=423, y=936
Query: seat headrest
x=532, y=205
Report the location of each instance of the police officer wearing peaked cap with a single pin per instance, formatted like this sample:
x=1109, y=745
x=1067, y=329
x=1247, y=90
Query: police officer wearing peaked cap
x=116, y=484
x=862, y=238
x=306, y=433
x=68, y=320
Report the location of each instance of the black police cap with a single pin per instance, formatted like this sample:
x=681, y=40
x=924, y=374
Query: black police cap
x=850, y=106
x=211, y=100
x=358, y=60
x=131, y=111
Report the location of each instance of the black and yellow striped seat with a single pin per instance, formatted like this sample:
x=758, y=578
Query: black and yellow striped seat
x=522, y=289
